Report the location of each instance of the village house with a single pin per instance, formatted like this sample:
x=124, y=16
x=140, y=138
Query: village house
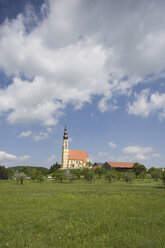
x=97, y=165
x=119, y=166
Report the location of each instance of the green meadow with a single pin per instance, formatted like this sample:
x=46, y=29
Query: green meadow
x=82, y=214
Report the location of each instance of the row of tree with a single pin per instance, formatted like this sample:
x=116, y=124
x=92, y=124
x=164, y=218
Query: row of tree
x=29, y=171
x=110, y=175
x=39, y=173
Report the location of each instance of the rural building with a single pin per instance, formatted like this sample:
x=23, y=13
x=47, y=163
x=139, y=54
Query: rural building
x=72, y=158
x=119, y=166
x=97, y=165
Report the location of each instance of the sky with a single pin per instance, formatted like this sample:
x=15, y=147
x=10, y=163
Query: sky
x=97, y=66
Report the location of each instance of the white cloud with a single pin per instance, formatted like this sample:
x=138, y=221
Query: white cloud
x=23, y=158
x=156, y=155
x=49, y=129
x=112, y=144
x=144, y=105
x=100, y=154
x=137, y=149
x=76, y=51
x=138, y=153
x=41, y=136
x=25, y=134
x=51, y=159
x=70, y=139
x=4, y=156
x=7, y=157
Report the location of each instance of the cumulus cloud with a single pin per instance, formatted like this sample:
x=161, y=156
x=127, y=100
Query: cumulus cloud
x=145, y=104
x=51, y=159
x=23, y=158
x=70, y=139
x=138, y=153
x=112, y=144
x=25, y=134
x=77, y=50
x=7, y=157
x=41, y=136
x=100, y=154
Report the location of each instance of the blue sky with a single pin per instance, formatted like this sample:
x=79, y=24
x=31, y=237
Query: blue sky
x=97, y=66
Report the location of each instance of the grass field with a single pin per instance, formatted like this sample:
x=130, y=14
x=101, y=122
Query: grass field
x=82, y=214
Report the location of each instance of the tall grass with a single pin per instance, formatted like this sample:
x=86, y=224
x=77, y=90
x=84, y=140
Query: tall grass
x=82, y=214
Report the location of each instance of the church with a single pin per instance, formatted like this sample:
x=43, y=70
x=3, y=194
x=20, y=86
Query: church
x=72, y=158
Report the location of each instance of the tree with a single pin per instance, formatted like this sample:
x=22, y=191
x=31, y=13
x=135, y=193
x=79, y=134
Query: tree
x=99, y=171
x=88, y=174
x=76, y=172
x=151, y=170
x=156, y=174
x=33, y=174
x=89, y=164
x=3, y=172
x=142, y=175
x=163, y=177
x=112, y=174
x=138, y=169
x=10, y=172
x=54, y=167
x=109, y=176
x=59, y=175
x=19, y=176
x=39, y=176
x=128, y=177
x=70, y=175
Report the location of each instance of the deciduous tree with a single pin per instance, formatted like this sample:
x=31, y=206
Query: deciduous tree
x=20, y=176
x=138, y=169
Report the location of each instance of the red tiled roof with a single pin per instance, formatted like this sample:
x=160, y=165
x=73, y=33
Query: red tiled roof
x=121, y=164
x=96, y=166
x=78, y=155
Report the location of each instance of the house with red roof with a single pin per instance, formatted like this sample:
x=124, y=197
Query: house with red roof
x=119, y=166
x=72, y=158
x=97, y=165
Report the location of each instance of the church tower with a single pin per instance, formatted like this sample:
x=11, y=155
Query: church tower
x=65, y=149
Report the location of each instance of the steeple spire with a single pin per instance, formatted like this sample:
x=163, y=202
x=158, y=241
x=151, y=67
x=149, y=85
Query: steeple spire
x=65, y=133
